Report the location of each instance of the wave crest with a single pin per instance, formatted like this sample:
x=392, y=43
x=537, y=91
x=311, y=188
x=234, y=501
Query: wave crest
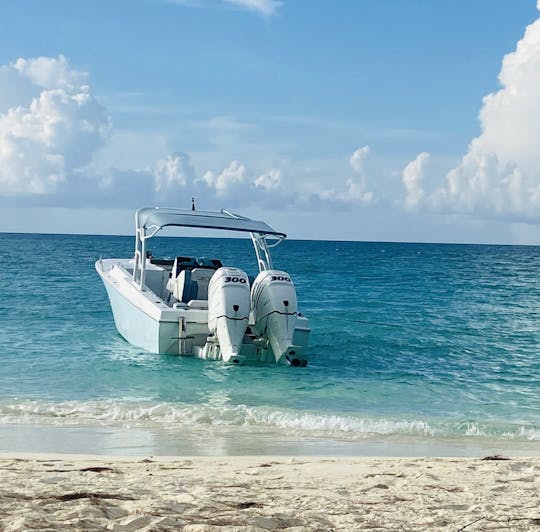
x=223, y=415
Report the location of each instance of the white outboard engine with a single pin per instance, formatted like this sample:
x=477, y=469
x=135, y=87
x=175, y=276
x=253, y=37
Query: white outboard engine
x=273, y=301
x=228, y=310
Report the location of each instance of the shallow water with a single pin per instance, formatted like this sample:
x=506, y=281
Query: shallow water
x=415, y=349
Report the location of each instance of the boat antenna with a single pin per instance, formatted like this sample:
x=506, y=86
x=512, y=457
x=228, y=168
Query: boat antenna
x=192, y=204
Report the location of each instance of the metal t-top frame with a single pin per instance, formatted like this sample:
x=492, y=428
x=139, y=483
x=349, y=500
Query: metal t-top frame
x=261, y=240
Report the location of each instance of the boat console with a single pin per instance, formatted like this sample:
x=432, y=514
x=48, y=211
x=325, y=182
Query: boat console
x=189, y=279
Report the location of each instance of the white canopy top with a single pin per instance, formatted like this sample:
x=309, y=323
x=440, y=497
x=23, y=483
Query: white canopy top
x=155, y=218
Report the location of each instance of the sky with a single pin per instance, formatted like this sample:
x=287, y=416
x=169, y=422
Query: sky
x=385, y=120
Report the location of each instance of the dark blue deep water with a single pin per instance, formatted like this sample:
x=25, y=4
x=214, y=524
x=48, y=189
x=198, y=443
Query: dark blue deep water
x=415, y=349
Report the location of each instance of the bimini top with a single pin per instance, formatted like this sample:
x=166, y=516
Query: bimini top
x=153, y=219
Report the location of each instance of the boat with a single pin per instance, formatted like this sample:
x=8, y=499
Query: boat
x=197, y=306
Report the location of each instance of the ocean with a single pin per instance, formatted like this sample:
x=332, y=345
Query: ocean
x=416, y=350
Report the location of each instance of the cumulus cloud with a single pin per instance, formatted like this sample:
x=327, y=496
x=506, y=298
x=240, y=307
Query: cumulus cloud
x=358, y=159
x=500, y=173
x=49, y=72
x=354, y=190
x=269, y=181
x=52, y=130
x=172, y=171
x=44, y=142
x=228, y=180
x=413, y=177
x=356, y=187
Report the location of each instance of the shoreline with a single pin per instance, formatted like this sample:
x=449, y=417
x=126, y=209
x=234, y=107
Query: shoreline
x=89, y=492
x=141, y=442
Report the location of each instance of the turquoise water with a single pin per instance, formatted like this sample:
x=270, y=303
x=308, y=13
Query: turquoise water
x=415, y=349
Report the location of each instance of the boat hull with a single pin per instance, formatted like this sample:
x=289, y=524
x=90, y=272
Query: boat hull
x=137, y=327
x=138, y=322
x=147, y=322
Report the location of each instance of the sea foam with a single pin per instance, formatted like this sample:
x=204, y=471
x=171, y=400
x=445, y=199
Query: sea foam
x=171, y=416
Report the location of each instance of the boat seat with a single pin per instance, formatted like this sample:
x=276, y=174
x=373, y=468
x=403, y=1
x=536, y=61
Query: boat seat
x=202, y=277
x=183, y=288
x=191, y=284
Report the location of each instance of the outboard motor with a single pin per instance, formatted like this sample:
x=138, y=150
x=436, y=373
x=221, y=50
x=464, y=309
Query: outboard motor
x=273, y=300
x=228, y=310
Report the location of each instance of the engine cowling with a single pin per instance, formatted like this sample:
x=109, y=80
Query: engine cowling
x=275, y=309
x=228, y=310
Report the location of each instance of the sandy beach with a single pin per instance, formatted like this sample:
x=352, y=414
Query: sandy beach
x=61, y=492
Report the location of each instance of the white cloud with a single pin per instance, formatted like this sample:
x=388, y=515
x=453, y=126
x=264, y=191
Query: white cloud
x=500, y=173
x=354, y=190
x=57, y=148
x=356, y=187
x=45, y=141
x=263, y=7
x=173, y=171
x=269, y=181
x=227, y=180
x=413, y=177
x=356, y=193
x=167, y=182
x=358, y=159
x=49, y=72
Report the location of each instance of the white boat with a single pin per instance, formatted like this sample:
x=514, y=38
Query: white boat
x=198, y=307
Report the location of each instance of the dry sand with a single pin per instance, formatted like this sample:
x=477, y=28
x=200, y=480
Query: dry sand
x=45, y=492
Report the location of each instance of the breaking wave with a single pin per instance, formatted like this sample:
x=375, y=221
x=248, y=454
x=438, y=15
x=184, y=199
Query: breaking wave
x=224, y=416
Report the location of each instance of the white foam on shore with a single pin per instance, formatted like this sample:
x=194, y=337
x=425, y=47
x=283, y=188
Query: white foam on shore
x=221, y=414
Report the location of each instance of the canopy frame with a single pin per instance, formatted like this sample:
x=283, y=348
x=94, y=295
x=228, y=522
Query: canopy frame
x=150, y=220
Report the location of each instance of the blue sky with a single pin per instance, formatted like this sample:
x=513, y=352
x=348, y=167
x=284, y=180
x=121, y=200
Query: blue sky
x=343, y=120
